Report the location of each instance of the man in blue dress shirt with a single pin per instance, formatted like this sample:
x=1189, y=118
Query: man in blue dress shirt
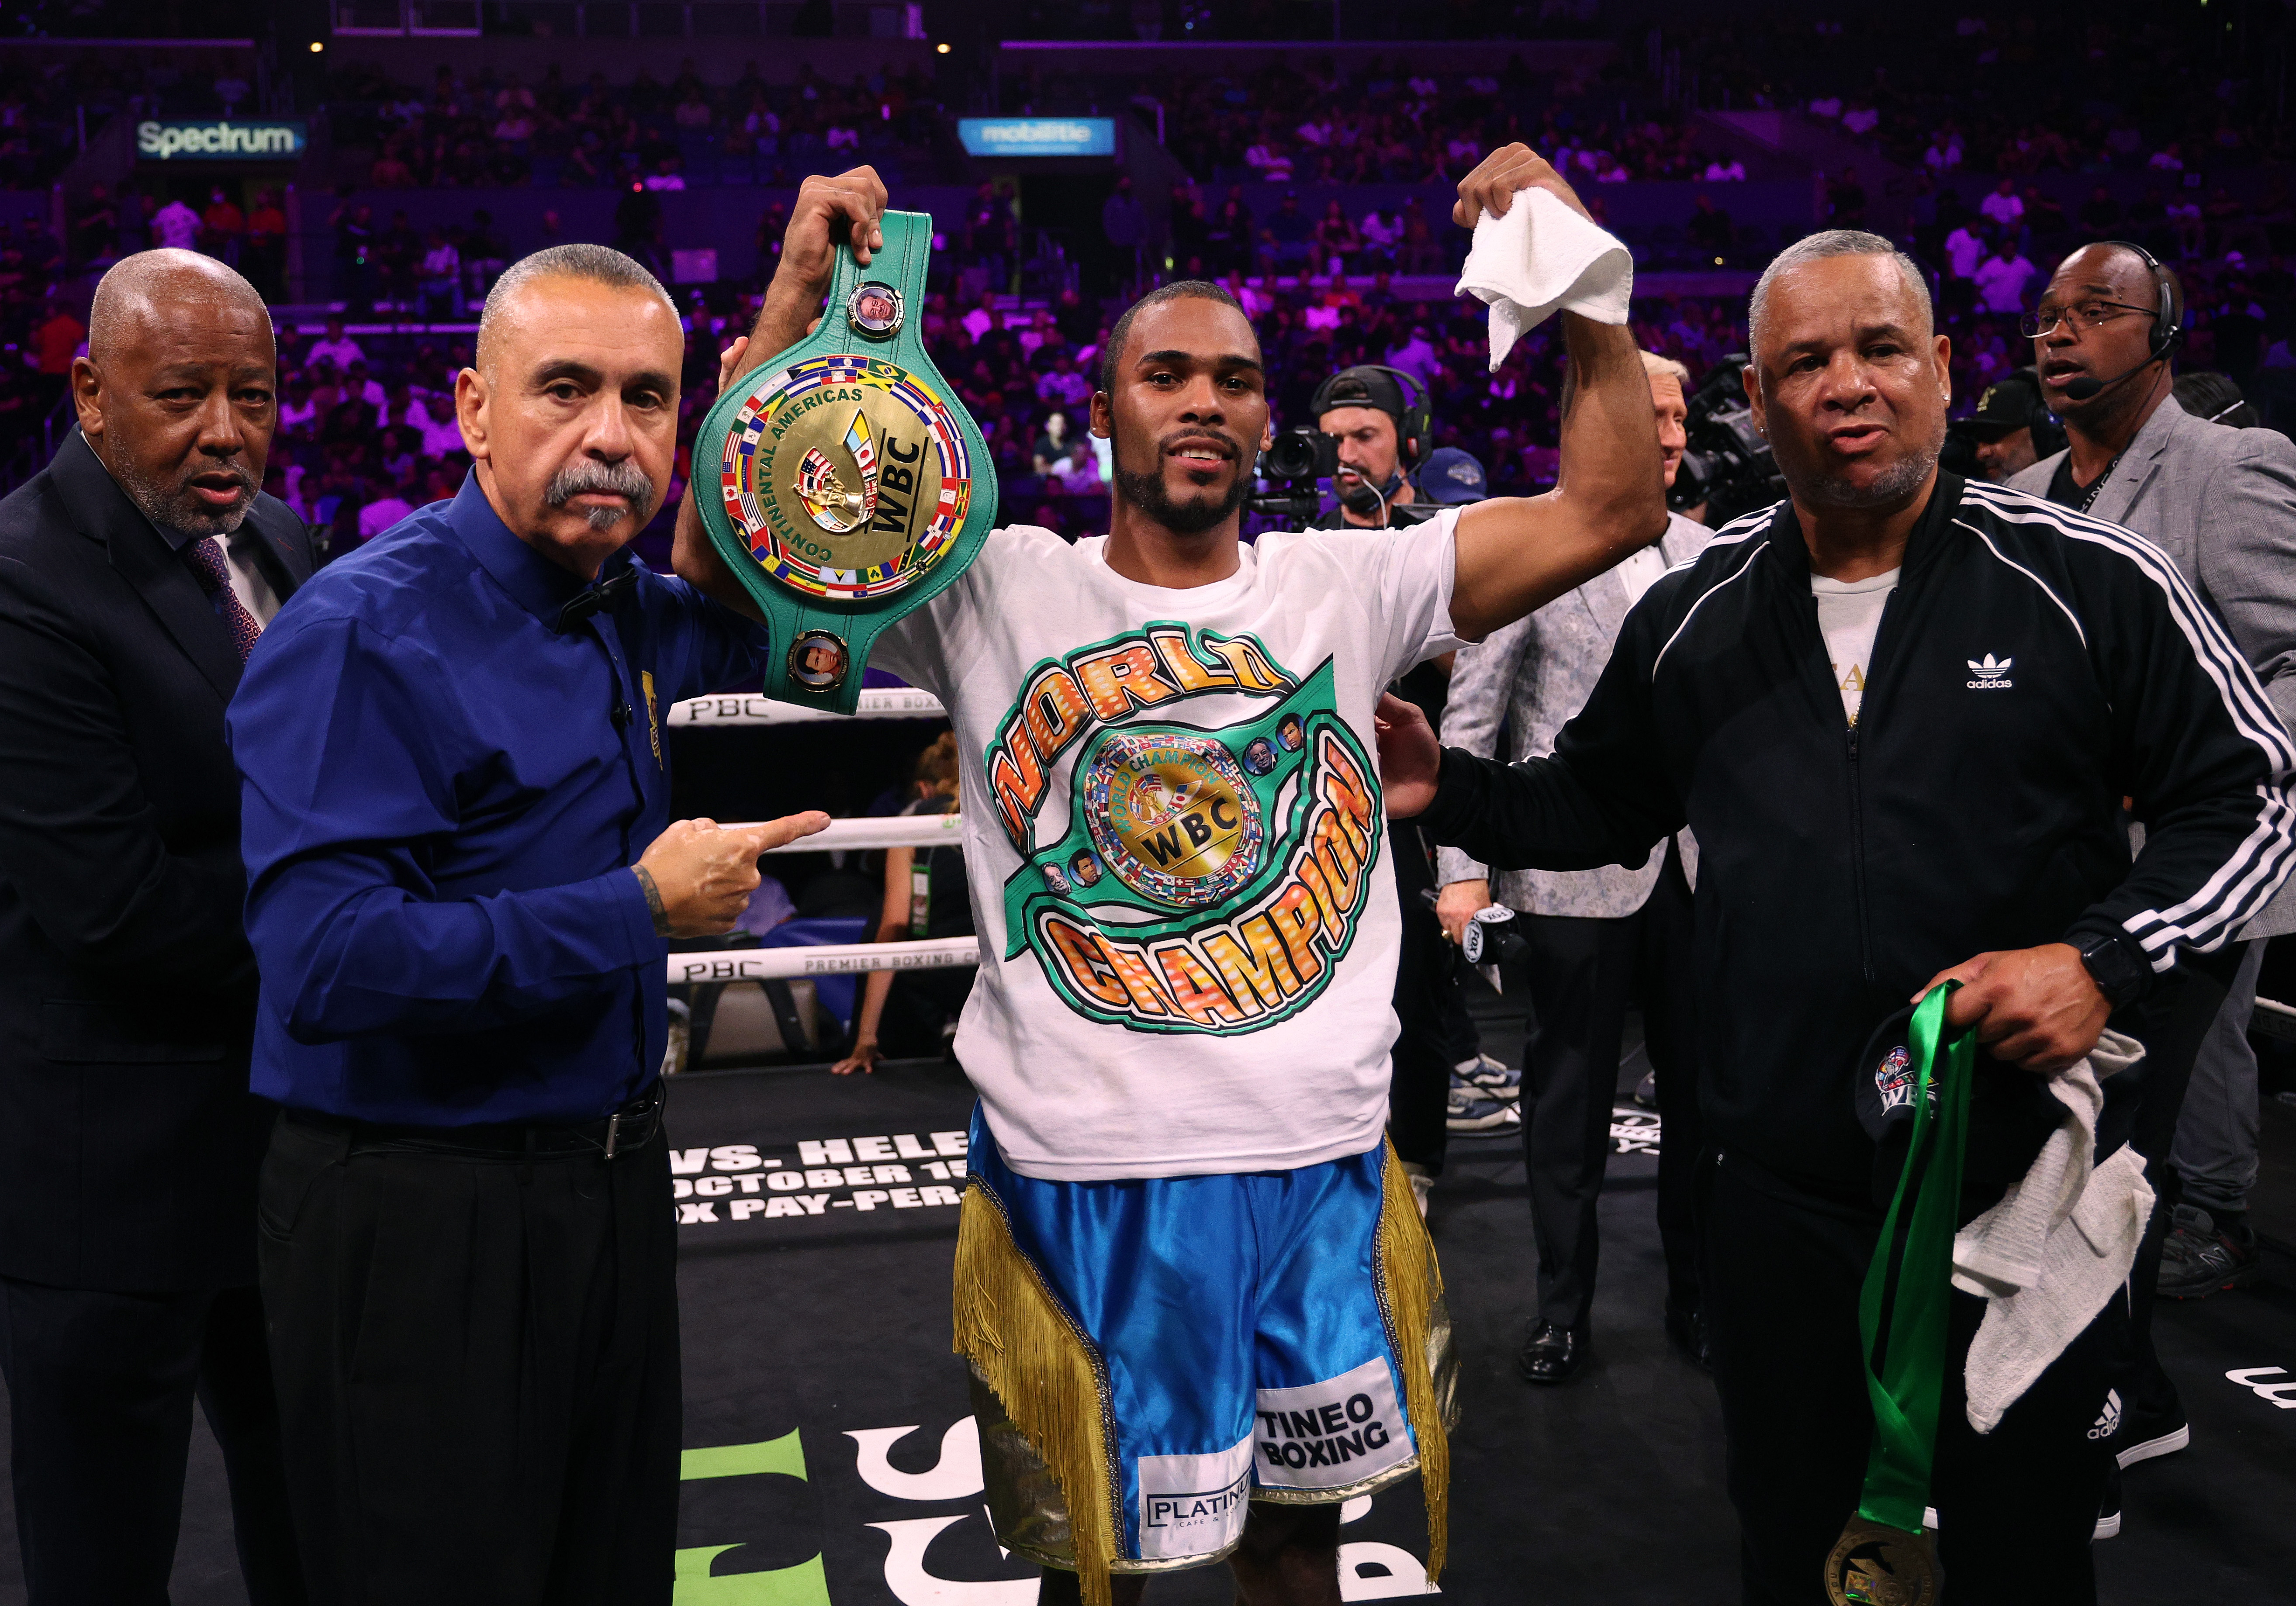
x=463, y=868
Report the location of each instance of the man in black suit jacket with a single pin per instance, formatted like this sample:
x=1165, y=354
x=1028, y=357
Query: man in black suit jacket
x=135, y=571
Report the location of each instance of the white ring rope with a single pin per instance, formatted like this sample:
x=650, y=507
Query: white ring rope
x=895, y=831
x=880, y=830
x=877, y=702
x=774, y=965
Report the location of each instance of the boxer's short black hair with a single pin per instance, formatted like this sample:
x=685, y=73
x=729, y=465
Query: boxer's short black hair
x=1179, y=290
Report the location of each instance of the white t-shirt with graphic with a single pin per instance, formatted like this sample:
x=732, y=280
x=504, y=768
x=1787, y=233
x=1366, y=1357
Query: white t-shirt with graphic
x=1848, y=614
x=1175, y=844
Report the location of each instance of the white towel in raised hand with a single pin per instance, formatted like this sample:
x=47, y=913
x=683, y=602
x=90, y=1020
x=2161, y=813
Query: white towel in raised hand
x=1541, y=259
x=2057, y=1246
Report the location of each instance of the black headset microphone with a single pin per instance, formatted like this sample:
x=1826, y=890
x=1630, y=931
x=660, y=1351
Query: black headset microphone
x=2081, y=389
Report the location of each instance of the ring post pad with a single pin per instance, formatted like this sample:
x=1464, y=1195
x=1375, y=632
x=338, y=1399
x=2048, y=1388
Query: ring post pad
x=852, y=487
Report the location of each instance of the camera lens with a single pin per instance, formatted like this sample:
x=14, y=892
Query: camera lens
x=1290, y=456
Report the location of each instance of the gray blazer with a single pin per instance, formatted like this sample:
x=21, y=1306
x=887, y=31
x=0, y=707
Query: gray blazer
x=1538, y=672
x=2180, y=471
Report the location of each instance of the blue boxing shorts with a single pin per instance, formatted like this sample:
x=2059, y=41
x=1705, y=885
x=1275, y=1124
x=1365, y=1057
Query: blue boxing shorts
x=1150, y=1356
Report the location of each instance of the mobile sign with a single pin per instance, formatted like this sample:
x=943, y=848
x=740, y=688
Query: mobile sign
x=274, y=139
x=1037, y=136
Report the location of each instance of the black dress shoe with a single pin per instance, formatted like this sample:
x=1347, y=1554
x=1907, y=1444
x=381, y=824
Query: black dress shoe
x=1685, y=1330
x=1553, y=1353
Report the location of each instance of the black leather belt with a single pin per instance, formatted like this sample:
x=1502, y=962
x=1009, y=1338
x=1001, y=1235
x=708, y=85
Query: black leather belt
x=617, y=1137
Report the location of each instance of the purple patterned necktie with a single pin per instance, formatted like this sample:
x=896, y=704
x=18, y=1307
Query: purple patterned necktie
x=208, y=566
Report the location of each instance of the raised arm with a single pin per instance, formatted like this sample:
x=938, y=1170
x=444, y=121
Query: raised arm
x=1516, y=553
x=829, y=212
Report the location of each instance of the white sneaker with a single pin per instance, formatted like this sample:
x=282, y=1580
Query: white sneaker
x=1486, y=1075
x=1469, y=1111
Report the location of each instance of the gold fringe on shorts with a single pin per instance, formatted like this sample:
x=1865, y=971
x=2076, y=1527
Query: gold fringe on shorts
x=1419, y=1328
x=1025, y=1347
x=1048, y=1381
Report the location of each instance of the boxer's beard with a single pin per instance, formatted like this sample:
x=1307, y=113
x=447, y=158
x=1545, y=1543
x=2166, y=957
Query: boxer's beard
x=1189, y=517
x=623, y=479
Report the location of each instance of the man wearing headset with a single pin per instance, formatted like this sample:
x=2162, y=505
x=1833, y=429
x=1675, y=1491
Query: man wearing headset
x=1381, y=419
x=2222, y=504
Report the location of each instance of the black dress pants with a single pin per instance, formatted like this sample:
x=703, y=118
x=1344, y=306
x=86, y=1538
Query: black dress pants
x=1579, y=974
x=2015, y=1508
x=2172, y=1021
x=1669, y=1033
x=478, y=1368
x=99, y=1388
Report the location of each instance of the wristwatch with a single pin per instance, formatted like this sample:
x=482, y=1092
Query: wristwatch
x=2119, y=977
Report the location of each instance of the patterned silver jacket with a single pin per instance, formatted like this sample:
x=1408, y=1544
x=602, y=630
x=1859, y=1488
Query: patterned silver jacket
x=1536, y=672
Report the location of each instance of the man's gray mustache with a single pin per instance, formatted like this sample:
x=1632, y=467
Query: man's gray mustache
x=624, y=478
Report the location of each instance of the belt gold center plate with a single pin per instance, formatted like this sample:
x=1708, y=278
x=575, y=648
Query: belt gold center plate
x=847, y=479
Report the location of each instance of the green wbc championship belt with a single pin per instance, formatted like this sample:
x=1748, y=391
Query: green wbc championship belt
x=852, y=485
x=1885, y=1557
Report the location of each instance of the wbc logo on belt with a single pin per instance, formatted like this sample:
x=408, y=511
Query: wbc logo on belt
x=847, y=479
x=850, y=486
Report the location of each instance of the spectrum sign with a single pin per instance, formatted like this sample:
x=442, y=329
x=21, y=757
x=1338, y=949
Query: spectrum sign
x=281, y=139
x=1037, y=136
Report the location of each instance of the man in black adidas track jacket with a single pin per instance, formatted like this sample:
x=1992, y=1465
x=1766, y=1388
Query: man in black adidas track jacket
x=1841, y=868
x=2030, y=668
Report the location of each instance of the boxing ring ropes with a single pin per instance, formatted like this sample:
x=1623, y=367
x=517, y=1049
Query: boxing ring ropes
x=899, y=831
x=2272, y=1018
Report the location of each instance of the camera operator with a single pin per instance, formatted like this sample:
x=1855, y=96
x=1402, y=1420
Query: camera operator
x=1593, y=936
x=2012, y=429
x=2222, y=504
x=1384, y=437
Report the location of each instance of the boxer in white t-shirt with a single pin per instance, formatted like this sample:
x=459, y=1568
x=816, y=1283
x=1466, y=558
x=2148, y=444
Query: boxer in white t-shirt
x=1198, y=1305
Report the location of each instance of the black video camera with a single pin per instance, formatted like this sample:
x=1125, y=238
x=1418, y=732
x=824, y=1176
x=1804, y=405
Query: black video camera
x=1727, y=465
x=1289, y=468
